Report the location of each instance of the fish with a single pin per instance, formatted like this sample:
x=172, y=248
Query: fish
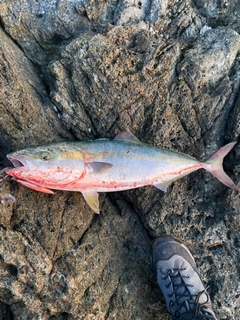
x=105, y=165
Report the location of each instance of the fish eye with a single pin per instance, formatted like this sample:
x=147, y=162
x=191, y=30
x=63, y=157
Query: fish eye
x=45, y=156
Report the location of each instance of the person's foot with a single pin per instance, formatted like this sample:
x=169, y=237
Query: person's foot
x=178, y=278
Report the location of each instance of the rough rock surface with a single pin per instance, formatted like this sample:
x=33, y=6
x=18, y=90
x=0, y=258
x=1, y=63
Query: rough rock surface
x=84, y=69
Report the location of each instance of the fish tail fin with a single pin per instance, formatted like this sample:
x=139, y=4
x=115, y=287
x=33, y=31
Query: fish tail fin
x=214, y=166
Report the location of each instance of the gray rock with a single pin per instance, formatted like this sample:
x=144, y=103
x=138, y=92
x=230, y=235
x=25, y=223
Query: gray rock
x=168, y=71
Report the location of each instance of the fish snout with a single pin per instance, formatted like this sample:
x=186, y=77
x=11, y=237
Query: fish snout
x=20, y=162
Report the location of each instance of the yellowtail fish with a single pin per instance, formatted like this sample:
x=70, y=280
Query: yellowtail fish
x=107, y=165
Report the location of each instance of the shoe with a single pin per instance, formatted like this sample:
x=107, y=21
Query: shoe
x=178, y=278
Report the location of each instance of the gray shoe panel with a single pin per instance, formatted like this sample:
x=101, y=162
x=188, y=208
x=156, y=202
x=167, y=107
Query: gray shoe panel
x=179, y=280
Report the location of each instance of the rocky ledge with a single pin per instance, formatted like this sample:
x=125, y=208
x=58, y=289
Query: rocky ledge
x=86, y=69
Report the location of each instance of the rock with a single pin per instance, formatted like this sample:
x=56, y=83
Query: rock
x=168, y=71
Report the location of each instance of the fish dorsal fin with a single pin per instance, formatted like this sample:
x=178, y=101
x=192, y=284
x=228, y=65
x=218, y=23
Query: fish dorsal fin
x=127, y=135
x=91, y=198
x=98, y=167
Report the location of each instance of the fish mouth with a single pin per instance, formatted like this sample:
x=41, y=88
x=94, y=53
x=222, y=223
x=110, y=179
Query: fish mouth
x=18, y=161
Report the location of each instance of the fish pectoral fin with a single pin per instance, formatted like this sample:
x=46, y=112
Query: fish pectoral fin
x=98, y=167
x=34, y=187
x=91, y=198
x=127, y=135
x=163, y=185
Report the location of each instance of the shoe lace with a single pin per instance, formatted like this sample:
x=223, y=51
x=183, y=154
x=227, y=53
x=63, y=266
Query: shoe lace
x=186, y=305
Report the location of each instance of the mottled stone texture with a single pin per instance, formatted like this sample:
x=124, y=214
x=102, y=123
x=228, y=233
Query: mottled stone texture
x=79, y=69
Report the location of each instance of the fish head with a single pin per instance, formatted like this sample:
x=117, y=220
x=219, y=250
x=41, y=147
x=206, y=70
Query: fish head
x=52, y=166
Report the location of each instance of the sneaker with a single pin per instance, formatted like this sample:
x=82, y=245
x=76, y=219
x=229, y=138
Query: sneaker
x=178, y=278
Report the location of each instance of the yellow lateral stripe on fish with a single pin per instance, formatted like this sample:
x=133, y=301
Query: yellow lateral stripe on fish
x=107, y=165
x=73, y=155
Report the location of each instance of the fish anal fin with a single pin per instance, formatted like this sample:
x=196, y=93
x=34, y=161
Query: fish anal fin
x=127, y=135
x=91, y=198
x=162, y=185
x=34, y=187
x=98, y=167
